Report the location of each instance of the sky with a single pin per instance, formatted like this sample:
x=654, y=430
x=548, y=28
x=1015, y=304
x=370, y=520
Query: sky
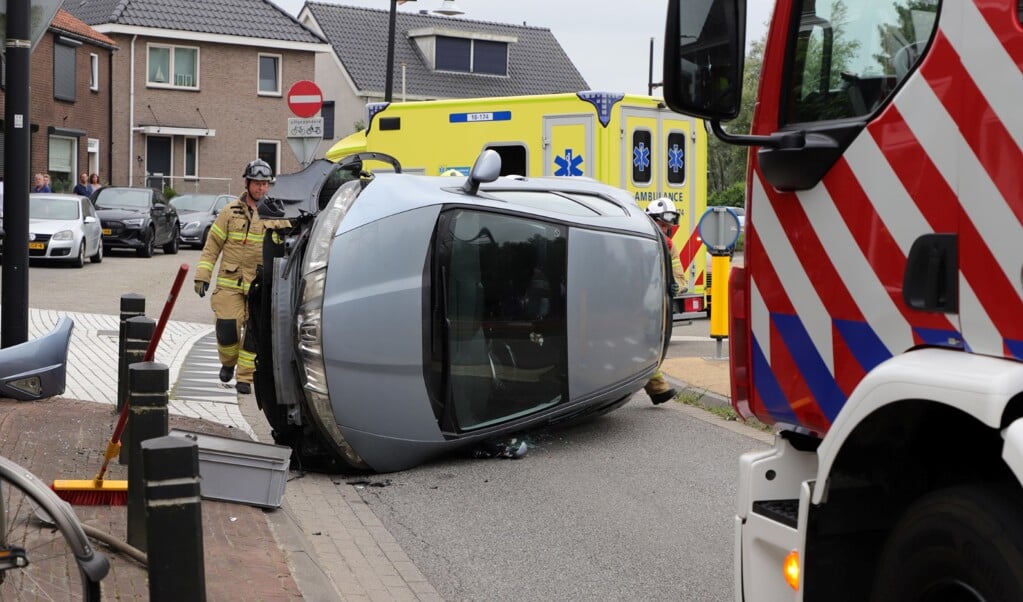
x=607, y=40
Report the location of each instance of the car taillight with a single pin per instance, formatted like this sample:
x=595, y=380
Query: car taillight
x=738, y=356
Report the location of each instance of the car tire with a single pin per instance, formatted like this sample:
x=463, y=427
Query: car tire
x=960, y=543
x=148, y=243
x=202, y=241
x=79, y=260
x=98, y=257
x=171, y=248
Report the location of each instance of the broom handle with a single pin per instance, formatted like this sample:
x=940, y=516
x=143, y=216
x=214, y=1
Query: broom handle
x=122, y=420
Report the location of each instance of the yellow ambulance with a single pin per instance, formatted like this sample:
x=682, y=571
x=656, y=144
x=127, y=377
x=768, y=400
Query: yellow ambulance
x=629, y=141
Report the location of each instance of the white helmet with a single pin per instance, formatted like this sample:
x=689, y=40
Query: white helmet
x=664, y=210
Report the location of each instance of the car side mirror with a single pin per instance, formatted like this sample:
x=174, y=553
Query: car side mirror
x=90, y=219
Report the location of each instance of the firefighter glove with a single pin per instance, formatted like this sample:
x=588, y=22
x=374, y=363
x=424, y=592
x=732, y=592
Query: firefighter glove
x=201, y=287
x=675, y=289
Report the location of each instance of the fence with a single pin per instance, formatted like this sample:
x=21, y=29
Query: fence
x=183, y=185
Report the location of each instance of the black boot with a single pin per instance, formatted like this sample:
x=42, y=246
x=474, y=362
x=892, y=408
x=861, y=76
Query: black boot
x=226, y=373
x=243, y=388
x=660, y=398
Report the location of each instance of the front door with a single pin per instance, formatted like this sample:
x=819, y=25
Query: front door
x=158, y=161
x=568, y=146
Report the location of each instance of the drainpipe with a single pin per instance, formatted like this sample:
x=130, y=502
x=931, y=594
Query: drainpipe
x=131, y=113
x=110, y=118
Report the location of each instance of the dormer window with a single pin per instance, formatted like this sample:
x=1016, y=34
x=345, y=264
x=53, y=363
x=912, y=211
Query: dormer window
x=463, y=51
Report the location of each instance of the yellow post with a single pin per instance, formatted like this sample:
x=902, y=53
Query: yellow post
x=720, y=266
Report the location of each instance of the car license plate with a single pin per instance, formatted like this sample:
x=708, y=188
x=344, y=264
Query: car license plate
x=38, y=246
x=107, y=231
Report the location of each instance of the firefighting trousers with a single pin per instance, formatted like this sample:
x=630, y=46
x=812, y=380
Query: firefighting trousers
x=229, y=307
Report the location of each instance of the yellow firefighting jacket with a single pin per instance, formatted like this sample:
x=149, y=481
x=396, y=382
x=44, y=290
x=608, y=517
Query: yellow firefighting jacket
x=238, y=234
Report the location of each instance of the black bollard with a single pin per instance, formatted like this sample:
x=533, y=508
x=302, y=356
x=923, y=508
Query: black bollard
x=138, y=332
x=133, y=305
x=147, y=419
x=174, y=525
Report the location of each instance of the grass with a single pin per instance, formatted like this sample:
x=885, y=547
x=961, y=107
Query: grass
x=694, y=398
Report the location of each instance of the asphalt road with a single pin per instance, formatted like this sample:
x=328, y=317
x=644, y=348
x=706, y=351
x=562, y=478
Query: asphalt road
x=97, y=288
x=634, y=505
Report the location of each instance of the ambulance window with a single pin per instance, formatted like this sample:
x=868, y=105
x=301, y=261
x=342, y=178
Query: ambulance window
x=641, y=157
x=675, y=158
x=513, y=159
x=846, y=59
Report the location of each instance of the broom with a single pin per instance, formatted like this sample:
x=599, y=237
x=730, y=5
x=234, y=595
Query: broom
x=98, y=492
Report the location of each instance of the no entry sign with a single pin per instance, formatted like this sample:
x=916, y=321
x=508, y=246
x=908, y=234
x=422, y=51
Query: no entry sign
x=305, y=98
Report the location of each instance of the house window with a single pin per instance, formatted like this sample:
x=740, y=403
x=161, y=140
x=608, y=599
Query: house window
x=173, y=67
x=327, y=112
x=191, y=157
x=270, y=74
x=269, y=151
x=93, y=72
x=64, y=70
x=471, y=56
x=63, y=152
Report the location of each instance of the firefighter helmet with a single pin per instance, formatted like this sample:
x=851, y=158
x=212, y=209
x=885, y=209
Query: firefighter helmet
x=258, y=171
x=663, y=209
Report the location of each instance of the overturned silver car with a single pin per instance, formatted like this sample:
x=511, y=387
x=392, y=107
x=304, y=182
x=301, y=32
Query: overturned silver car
x=404, y=316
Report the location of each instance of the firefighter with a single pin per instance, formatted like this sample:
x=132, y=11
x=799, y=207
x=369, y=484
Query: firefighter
x=236, y=238
x=665, y=215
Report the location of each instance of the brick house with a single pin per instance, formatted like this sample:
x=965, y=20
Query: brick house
x=70, y=102
x=199, y=88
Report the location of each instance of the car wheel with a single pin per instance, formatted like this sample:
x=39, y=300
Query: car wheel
x=171, y=248
x=79, y=260
x=205, y=235
x=98, y=257
x=148, y=242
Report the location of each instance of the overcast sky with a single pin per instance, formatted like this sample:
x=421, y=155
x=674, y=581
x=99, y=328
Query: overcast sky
x=607, y=40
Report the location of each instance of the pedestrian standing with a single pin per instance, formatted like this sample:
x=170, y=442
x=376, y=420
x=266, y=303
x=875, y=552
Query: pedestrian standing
x=82, y=188
x=665, y=215
x=236, y=238
x=39, y=184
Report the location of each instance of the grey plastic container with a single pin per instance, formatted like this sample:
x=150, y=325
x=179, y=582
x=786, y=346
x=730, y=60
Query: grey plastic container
x=236, y=470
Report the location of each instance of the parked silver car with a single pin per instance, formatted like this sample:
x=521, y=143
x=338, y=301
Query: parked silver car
x=406, y=316
x=63, y=227
x=197, y=212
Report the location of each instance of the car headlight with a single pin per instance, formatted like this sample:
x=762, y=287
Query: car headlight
x=189, y=227
x=310, y=335
x=135, y=221
x=63, y=235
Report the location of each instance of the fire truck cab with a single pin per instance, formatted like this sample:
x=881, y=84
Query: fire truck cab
x=877, y=319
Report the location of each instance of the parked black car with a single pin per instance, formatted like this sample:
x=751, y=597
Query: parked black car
x=137, y=218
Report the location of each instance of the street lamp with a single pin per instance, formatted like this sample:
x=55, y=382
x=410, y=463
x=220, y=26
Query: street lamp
x=389, y=84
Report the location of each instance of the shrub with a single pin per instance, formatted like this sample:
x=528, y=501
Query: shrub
x=169, y=193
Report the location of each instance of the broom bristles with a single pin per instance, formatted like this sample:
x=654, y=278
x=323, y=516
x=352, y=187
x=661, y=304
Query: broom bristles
x=92, y=492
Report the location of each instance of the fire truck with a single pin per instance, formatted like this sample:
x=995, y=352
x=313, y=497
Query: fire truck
x=878, y=319
x=628, y=141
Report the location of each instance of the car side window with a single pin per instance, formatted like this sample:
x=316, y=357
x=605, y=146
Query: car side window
x=502, y=299
x=847, y=59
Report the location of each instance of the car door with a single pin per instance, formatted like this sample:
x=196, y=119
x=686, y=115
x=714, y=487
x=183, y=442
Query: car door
x=91, y=227
x=161, y=213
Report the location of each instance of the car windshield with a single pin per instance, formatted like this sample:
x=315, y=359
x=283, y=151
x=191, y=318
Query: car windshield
x=59, y=209
x=194, y=202
x=222, y=201
x=113, y=198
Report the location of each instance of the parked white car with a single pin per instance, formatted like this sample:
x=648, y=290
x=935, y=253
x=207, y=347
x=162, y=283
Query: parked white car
x=64, y=227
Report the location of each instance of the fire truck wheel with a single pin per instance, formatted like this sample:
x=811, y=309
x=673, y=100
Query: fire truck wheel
x=961, y=543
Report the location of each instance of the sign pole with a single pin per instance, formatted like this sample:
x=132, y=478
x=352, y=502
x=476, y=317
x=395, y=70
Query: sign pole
x=17, y=128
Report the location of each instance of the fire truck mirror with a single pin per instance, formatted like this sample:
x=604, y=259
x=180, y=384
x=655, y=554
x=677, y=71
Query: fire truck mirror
x=719, y=230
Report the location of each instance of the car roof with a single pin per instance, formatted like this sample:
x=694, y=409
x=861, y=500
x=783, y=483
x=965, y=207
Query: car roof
x=55, y=195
